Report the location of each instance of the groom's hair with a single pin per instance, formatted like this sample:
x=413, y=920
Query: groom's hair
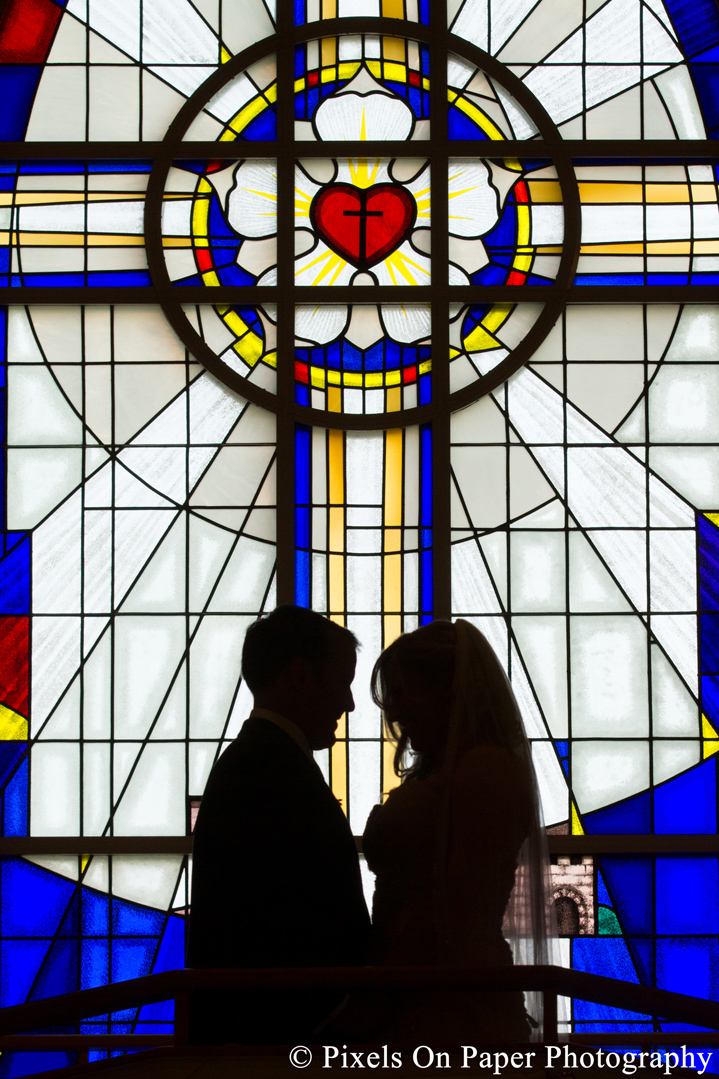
x=288, y=632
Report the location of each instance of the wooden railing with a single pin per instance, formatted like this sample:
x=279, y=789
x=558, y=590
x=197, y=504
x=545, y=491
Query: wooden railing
x=551, y=981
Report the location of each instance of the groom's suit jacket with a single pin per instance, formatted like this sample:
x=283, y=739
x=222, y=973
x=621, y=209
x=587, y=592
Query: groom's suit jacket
x=276, y=883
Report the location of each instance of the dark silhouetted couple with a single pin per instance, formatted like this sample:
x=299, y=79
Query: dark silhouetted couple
x=456, y=847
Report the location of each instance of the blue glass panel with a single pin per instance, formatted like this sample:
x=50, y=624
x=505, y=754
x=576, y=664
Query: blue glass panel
x=17, y=86
x=133, y=920
x=302, y=578
x=10, y=754
x=602, y=893
x=608, y=956
x=710, y=696
x=687, y=890
x=686, y=805
x=459, y=126
x=94, y=963
x=14, y=1065
x=132, y=958
x=688, y=965
x=708, y=564
x=15, y=581
x=696, y=23
x=171, y=953
x=710, y=642
x=59, y=972
x=629, y=881
x=632, y=816
x=95, y=913
x=15, y=803
x=33, y=900
x=263, y=128
x=20, y=960
x=642, y=952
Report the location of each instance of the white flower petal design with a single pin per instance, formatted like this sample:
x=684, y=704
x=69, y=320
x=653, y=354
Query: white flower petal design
x=406, y=323
x=320, y=323
x=474, y=204
x=405, y=266
x=252, y=201
x=322, y=266
x=349, y=117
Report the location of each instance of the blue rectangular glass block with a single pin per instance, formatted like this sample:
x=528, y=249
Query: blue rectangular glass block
x=171, y=953
x=632, y=815
x=302, y=394
x=131, y=957
x=689, y=965
x=609, y=956
x=20, y=961
x=302, y=465
x=425, y=480
x=302, y=527
x=629, y=880
x=59, y=972
x=95, y=913
x=709, y=642
x=425, y=389
x=34, y=901
x=686, y=891
x=708, y=564
x=15, y=580
x=130, y=919
x=17, y=87
x=302, y=578
x=94, y=963
x=686, y=805
x=15, y=805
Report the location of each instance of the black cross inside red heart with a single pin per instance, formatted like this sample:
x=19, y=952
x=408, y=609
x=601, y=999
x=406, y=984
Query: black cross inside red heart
x=363, y=225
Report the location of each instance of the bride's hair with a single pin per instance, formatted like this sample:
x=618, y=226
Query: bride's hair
x=427, y=654
x=481, y=710
x=456, y=659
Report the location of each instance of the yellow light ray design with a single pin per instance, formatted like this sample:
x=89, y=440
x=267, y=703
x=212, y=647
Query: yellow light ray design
x=402, y=264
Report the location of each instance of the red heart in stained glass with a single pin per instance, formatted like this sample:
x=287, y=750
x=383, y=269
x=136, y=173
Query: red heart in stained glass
x=363, y=225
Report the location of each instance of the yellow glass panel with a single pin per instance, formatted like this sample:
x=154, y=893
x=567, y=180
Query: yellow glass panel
x=13, y=727
x=393, y=582
x=336, y=575
x=393, y=478
x=339, y=773
x=394, y=48
x=393, y=9
x=577, y=828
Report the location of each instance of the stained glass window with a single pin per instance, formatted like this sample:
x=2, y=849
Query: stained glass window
x=395, y=310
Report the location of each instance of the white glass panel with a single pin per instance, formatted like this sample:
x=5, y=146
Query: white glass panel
x=96, y=769
x=671, y=758
x=39, y=479
x=245, y=580
x=542, y=642
x=209, y=548
x=38, y=412
x=364, y=792
x=55, y=659
x=552, y=783
x=472, y=590
x=364, y=459
x=137, y=533
x=591, y=587
x=97, y=680
x=674, y=710
x=605, y=772
x=537, y=561
x=365, y=721
x=147, y=653
x=215, y=662
x=65, y=719
x=162, y=584
x=56, y=553
x=154, y=802
x=609, y=676
x=54, y=789
x=486, y=503
x=150, y=879
x=364, y=583
x=692, y=471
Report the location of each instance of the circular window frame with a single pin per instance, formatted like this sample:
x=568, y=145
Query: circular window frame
x=439, y=150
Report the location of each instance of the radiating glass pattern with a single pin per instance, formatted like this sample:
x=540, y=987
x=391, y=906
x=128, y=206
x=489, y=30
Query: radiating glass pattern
x=141, y=463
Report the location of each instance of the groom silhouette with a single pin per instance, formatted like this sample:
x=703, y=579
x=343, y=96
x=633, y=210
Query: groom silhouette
x=276, y=879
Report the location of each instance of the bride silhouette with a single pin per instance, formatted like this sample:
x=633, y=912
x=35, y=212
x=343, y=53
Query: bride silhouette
x=457, y=848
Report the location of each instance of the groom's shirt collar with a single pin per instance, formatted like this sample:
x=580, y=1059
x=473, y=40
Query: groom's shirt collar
x=287, y=726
